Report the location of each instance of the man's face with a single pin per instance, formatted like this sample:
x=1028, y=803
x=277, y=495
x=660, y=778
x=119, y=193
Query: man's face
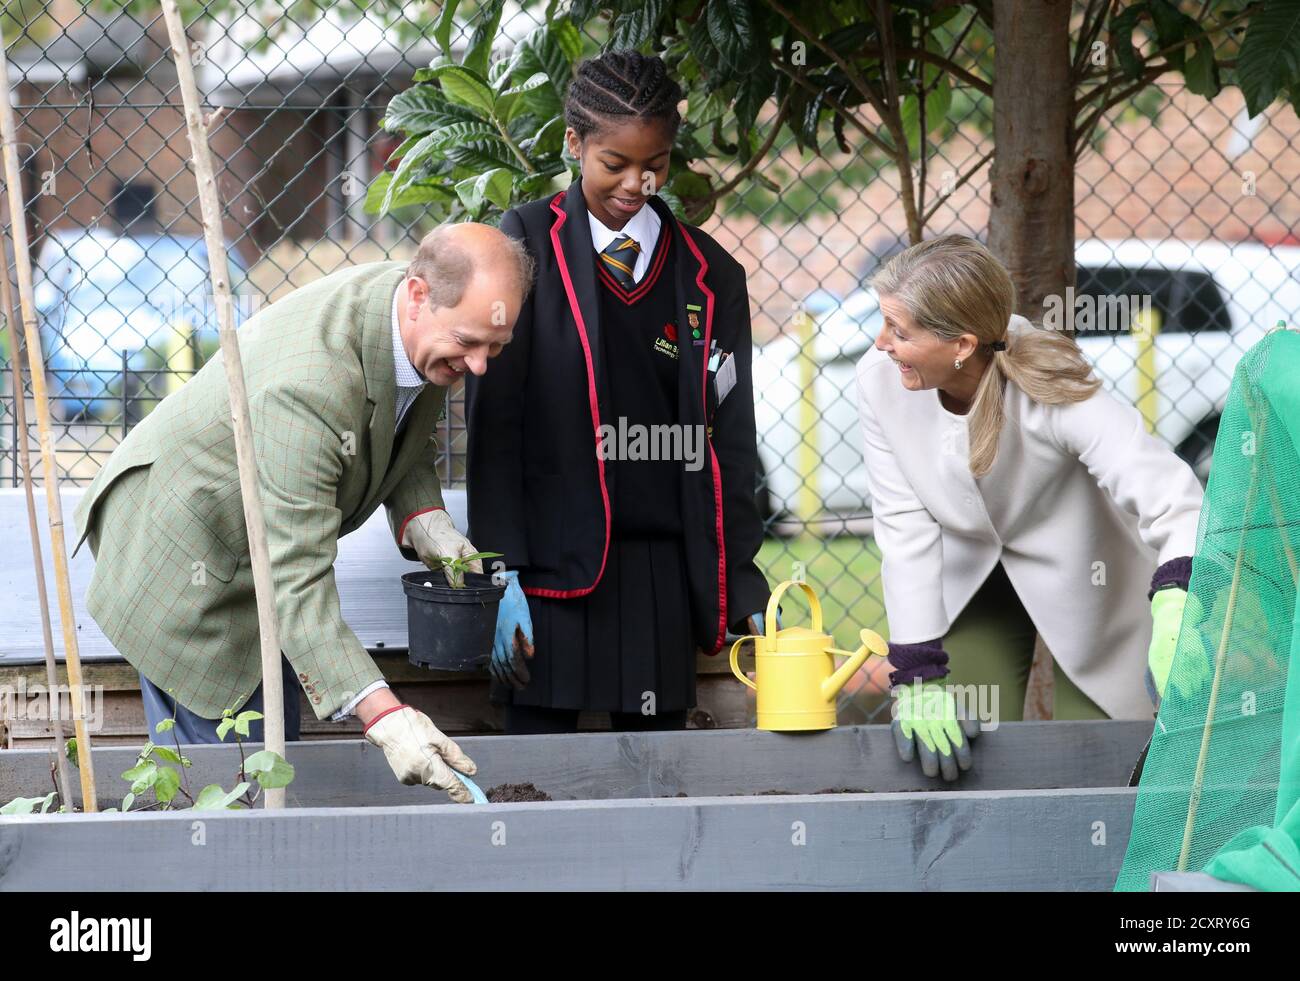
x=444, y=344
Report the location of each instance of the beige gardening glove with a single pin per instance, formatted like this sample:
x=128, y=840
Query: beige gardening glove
x=432, y=535
x=418, y=752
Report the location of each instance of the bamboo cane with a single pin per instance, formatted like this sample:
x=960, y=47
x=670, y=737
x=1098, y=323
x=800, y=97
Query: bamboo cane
x=1220, y=658
x=49, y=465
x=25, y=458
x=263, y=584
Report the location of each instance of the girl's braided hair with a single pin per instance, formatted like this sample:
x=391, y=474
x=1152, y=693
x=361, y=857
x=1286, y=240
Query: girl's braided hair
x=620, y=86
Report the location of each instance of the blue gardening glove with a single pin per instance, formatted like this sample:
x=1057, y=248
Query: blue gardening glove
x=927, y=723
x=754, y=623
x=514, y=636
x=1167, y=608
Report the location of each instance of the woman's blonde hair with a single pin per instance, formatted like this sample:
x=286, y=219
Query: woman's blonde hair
x=951, y=286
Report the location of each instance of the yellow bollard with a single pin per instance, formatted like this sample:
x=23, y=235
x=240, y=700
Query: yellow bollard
x=1146, y=325
x=807, y=458
x=178, y=356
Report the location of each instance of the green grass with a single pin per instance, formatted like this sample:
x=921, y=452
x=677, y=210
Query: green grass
x=843, y=571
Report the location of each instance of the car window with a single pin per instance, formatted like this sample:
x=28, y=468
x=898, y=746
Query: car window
x=1187, y=301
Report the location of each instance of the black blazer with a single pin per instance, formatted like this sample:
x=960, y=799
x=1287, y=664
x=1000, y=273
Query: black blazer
x=538, y=492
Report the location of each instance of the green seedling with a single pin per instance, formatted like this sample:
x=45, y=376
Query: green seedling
x=457, y=567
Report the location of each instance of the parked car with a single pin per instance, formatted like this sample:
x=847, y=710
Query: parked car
x=1214, y=300
x=99, y=294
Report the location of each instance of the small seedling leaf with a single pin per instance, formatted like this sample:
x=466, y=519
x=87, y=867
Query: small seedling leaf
x=269, y=769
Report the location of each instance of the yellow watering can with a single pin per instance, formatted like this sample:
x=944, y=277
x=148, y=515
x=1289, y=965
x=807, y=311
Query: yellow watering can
x=797, y=679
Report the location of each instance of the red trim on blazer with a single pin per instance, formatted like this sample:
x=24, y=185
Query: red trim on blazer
x=633, y=295
x=713, y=457
x=401, y=532
x=557, y=206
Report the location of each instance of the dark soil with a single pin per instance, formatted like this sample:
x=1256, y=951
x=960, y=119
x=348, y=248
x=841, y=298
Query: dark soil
x=514, y=793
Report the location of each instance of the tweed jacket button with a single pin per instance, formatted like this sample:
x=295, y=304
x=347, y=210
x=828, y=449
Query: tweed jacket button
x=316, y=699
x=302, y=677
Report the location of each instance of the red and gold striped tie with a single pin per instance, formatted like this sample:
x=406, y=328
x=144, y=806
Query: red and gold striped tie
x=619, y=258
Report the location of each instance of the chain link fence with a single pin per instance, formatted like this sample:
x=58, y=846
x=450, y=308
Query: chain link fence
x=1185, y=219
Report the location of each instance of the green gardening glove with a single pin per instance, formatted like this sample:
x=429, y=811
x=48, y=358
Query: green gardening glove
x=926, y=723
x=1167, y=612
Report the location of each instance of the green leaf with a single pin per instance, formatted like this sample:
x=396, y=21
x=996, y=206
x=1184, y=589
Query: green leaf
x=412, y=194
x=1121, y=34
x=224, y=727
x=142, y=776
x=731, y=29
x=485, y=31
x=566, y=35
x=1202, y=72
x=633, y=29
x=548, y=139
x=70, y=751
x=509, y=101
x=423, y=108
x=436, y=68
x=213, y=798
x=171, y=756
x=493, y=185
x=270, y=769
x=443, y=25
x=467, y=89
x=26, y=805
x=166, y=725
x=1269, y=60
x=127, y=801
x=481, y=155
x=167, y=783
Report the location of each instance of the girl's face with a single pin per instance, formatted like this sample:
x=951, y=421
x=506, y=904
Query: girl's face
x=622, y=165
x=924, y=359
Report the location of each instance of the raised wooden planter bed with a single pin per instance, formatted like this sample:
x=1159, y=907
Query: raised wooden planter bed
x=1046, y=808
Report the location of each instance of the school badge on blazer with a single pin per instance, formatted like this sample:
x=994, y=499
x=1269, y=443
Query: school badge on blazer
x=667, y=344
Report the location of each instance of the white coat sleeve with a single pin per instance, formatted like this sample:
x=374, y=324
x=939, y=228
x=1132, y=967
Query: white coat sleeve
x=1139, y=472
x=910, y=540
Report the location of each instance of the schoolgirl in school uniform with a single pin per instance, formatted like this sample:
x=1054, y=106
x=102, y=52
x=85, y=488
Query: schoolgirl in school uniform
x=611, y=448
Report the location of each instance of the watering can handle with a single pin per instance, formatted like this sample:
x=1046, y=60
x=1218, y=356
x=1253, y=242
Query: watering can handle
x=735, y=665
x=774, y=603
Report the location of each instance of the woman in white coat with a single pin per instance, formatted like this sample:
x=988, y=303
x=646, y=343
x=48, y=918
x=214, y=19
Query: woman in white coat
x=1011, y=496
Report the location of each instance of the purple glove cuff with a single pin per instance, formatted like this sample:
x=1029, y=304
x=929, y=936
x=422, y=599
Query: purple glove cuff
x=925, y=662
x=1175, y=572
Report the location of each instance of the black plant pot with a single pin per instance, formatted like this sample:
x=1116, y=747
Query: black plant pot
x=450, y=629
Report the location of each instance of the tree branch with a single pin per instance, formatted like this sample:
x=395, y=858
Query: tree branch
x=965, y=178
x=756, y=159
x=835, y=104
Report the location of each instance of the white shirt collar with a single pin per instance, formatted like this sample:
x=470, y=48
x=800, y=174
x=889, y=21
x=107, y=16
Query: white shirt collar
x=642, y=226
x=407, y=376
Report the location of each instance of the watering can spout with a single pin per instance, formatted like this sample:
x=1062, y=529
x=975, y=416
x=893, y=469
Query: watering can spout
x=872, y=643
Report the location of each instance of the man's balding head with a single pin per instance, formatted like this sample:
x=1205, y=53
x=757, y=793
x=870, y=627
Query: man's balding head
x=461, y=297
x=450, y=254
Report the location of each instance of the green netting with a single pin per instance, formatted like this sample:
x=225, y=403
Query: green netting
x=1220, y=790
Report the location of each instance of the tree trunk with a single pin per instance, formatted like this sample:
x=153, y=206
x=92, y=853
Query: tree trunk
x=1031, y=224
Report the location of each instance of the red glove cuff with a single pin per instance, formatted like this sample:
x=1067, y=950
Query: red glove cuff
x=388, y=711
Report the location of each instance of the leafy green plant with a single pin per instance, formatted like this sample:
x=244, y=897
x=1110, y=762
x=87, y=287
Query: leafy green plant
x=156, y=769
x=459, y=566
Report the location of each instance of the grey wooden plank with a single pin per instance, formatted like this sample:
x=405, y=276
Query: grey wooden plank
x=368, y=573
x=995, y=840
x=1194, y=882
x=599, y=766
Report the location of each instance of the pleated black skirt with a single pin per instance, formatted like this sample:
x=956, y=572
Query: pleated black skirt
x=626, y=642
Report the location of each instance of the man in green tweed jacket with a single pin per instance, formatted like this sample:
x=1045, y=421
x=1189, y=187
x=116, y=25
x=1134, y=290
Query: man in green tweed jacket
x=346, y=380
